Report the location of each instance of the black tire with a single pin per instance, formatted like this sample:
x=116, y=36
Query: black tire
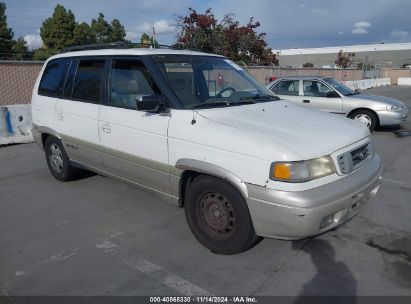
x=369, y=118
x=58, y=161
x=218, y=216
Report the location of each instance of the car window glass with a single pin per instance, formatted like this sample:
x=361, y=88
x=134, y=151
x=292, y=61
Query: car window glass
x=87, y=82
x=52, y=81
x=180, y=78
x=220, y=79
x=288, y=87
x=315, y=88
x=68, y=87
x=274, y=88
x=129, y=79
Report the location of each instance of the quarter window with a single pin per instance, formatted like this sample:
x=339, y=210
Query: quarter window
x=52, y=81
x=288, y=87
x=87, y=82
x=129, y=79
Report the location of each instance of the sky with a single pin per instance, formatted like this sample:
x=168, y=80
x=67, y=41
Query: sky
x=287, y=23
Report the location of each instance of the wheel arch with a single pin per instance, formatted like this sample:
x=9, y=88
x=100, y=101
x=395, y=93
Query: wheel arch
x=365, y=109
x=192, y=168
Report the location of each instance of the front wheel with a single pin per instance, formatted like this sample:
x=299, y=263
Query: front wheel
x=365, y=117
x=218, y=216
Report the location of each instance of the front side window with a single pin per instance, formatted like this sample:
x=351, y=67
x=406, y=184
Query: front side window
x=315, y=88
x=87, y=82
x=346, y=91
x=288, y=87
x=52, y=81
x=208, y=81
x=128, y=80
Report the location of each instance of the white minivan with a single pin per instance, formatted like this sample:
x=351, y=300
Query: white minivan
x=200, y=132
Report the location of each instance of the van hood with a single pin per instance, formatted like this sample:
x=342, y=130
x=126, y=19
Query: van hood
x=382, y=99
x=304, y=132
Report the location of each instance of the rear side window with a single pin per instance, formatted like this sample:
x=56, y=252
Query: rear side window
x=87, y=81
x=288, y=87
x=52, y=81
x=68, y=87
x=274, y=88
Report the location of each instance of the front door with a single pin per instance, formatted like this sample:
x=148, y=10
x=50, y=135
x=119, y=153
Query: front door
x=319, y=96
x=133, y=143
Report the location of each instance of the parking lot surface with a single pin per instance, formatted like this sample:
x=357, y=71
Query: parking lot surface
x=98, y=236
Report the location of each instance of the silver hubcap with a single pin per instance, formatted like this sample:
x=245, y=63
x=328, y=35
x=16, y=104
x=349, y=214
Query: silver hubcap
x=364, y=119
x=56, y=158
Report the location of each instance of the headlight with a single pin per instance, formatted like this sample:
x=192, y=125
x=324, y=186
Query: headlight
x=394, y=108
x=302, y=171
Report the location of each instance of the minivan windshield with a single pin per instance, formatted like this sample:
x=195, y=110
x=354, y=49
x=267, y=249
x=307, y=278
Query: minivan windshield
x=346, y=91
x=209, y=81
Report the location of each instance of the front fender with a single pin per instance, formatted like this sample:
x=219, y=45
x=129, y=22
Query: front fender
x=210, y=169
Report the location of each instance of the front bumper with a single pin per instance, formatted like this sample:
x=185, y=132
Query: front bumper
x=390, y=118
x=296, y=215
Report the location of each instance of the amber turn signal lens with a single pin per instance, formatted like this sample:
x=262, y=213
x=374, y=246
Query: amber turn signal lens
x=282, y=171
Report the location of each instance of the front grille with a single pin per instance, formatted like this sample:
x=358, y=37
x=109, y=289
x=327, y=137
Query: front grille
x=354, y=159
x=359, y=155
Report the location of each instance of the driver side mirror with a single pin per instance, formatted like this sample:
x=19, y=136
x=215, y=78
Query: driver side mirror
x=332, y=94
x=151, y=103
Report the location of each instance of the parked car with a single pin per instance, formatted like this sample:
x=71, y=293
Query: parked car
x=241, y=162
x=329, y=95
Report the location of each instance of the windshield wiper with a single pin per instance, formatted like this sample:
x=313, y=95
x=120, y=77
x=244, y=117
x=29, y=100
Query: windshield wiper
x=211, y=105
x=260, y=97
x=351, y=94
x=222, y=104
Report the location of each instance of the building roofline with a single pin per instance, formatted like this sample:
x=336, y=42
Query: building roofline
x=348, y=48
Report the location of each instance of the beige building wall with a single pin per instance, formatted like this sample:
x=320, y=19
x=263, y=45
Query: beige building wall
x=263, y=74
x=17, y=81
x=394, y=74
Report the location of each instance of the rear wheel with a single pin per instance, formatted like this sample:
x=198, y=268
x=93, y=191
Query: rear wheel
x=365, y=117
x=218, y=216
x=58, y=161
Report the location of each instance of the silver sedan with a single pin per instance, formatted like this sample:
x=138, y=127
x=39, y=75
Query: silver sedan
x=329, y=95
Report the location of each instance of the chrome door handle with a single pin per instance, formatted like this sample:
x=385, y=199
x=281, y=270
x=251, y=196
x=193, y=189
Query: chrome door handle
x=106, y=128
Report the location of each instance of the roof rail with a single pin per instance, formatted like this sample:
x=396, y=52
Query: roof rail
x=113, y=45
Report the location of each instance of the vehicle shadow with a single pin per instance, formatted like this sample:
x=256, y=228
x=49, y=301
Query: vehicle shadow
x=388, y=129
x=332, y=279
x=84, y=174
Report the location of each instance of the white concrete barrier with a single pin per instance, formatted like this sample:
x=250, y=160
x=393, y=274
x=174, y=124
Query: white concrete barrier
x=15, y=124
x=404, y=81
x=367, y=83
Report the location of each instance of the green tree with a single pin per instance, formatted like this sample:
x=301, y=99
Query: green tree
x=20, y=50
x=241, y=43
x=308, y=65
x=83, y=34
x=57, y=32
x=101, y=29
x=118, y=32
x=6, y=33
